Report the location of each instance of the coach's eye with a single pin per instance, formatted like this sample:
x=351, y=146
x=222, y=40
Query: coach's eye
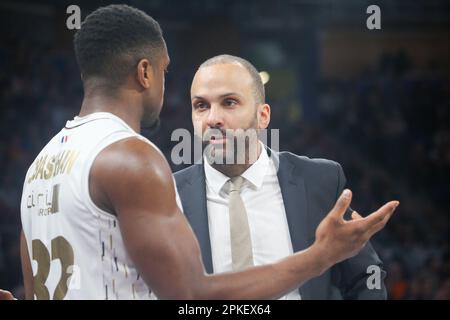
x=200, y=105
x=230, y=102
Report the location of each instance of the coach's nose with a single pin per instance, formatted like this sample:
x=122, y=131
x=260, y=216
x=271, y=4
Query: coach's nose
x=215, y=117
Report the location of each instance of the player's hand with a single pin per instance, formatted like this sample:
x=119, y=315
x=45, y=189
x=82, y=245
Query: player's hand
x=339, y=239
x=6, y=295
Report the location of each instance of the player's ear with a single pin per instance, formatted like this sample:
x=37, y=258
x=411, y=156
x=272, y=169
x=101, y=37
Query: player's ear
x=144, y=73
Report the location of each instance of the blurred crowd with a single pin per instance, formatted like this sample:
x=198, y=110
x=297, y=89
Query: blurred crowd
x=388, y=127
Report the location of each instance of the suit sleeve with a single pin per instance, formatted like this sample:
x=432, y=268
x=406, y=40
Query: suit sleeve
x=352, y=276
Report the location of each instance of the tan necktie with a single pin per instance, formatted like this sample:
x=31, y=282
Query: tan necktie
x=241, y=242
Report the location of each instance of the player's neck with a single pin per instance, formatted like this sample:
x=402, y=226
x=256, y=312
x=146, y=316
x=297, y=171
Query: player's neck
x=117, y=105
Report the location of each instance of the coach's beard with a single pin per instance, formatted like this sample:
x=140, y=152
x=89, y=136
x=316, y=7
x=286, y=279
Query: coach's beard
x=231, y=150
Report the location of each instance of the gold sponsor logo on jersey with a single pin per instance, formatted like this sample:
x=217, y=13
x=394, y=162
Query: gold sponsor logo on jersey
x=47, y=202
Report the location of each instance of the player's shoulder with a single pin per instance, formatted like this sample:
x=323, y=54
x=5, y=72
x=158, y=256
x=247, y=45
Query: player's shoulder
x=132, y=155
x=136, y=147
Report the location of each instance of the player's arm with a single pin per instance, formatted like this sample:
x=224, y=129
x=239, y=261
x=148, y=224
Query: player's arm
x=133, y=180
x=27, y=271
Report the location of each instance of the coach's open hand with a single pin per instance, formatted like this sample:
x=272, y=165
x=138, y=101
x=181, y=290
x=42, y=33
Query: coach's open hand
x=339, y=239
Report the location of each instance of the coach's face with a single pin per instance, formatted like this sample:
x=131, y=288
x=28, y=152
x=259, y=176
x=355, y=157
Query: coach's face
x=222, y=97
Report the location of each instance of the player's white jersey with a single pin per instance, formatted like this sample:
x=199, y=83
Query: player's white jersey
x=76, y=249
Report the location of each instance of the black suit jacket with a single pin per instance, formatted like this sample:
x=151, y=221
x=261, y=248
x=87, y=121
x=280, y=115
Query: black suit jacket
x=310, y=188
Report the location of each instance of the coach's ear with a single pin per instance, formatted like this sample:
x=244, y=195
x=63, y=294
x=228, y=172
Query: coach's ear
x=144, y=73
x=263, y=116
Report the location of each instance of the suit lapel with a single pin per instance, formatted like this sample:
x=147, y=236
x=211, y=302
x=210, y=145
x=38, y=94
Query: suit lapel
x=293, y=191
x=193, y=196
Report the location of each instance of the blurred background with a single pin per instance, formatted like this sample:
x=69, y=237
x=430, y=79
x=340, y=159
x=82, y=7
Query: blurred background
x=376, y=101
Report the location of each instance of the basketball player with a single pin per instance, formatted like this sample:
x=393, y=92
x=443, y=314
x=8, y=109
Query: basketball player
x=100, y=198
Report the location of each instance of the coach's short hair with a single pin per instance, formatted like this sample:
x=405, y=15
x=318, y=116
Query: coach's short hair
x=113, y=39
x=258, y=86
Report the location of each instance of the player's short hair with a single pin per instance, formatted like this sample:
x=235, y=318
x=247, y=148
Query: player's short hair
x=113, y=39
x=258, y=86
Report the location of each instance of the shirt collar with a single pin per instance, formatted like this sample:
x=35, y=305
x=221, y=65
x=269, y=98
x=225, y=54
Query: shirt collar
x=214, y=178
x=254, y=174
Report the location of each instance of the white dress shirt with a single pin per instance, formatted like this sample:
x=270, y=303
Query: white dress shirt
x=263, y=202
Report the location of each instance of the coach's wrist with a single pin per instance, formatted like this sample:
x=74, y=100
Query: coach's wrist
x=322, y=260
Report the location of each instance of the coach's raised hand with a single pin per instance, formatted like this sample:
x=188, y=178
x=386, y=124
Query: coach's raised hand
x=339, y=239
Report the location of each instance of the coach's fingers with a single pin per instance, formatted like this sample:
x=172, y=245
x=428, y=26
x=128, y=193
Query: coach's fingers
x=356, y=216
x=380, y=225
x=380, y=220
x=381, y=213
x=341, y=205
x=6, y=295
